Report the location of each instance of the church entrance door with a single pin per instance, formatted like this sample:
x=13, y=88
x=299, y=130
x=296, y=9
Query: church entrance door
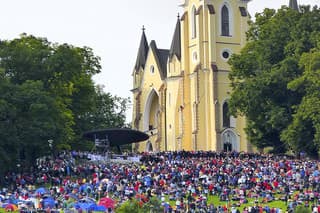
x=229, y=141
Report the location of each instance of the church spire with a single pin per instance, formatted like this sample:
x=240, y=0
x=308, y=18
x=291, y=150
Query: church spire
x=175, y=49
x=293, y=4
x=143, y=51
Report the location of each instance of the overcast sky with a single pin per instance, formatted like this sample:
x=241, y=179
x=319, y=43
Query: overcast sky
x=111, y=28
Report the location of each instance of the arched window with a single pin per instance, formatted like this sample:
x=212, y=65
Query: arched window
x=225, y=22
x=193, y=22
x=226, y=118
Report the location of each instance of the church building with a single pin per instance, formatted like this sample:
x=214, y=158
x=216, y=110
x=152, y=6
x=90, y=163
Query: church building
x=180, y=95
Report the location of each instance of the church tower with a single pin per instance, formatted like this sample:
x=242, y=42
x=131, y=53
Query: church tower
x=212, y=30
x=181, y=94
x=293, y=4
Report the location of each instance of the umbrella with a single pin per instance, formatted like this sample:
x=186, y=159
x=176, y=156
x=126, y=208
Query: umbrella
x=84, y=206
x=72, y=196
x=11, y=207
x=11, y=200
x=148, y=181
x=107, y=202
x=203, y=176
x=87, y=200
x=32, y=201
x=48, y=202
x=99, y=208
x=3, y=205
x=117, y=136
x=41, y=190
x=88, y=188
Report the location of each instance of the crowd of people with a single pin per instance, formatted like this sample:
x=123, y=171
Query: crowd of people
x=182, y=181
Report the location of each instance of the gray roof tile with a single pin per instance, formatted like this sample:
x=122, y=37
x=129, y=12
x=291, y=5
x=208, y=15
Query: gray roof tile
x=161, y=58
x=175, y=49
x=142, y=52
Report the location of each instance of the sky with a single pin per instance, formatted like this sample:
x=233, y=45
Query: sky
x=111, y=28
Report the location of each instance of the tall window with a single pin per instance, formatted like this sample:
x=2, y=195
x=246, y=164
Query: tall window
x=194, y=117
x=225, y=25
x=193, y=22
x=226, y=118
x=180, y=120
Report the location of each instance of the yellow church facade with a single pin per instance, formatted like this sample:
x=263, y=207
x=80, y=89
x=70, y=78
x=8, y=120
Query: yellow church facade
x=180, y=95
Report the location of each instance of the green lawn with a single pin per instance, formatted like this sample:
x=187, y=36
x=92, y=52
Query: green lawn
x=215, y=200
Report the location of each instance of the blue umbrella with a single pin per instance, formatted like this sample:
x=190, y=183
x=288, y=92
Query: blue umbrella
x=11, y=200
x=73, y=196
x=4, y=205
x=99, y=208
x=86, y=188
x=41, y=191
x=48, y=202
x=148, y=180
x=84, y=206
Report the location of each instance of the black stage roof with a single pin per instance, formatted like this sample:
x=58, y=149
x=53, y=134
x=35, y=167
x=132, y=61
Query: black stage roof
x=117, y=136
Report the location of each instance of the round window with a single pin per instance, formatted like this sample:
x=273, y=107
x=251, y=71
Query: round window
x=225, y=54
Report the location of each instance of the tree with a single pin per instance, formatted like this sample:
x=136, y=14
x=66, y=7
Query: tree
x=61, y=69
x=304, y=131
x=133, y=206
x=302, y=209
x=108, y=111
x=153, y=205
x=265, y=67
x=129, y=206
x=47, y=93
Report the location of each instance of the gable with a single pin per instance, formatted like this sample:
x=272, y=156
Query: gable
x=153, y=74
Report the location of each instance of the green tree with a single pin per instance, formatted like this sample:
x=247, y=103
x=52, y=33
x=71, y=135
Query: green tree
x=130, y=206
x=107, y=111
x=8, y=132
x=62, y=70
x=263, y=70
x=47, y=93
x=153, y=205
x=302, y=209
x=133, y=206
x=304, y=132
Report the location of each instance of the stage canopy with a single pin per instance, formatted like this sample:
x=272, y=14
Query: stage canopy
x=116, y=136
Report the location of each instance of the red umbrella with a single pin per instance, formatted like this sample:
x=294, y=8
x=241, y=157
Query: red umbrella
x=11, y=207
x=107, y=202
